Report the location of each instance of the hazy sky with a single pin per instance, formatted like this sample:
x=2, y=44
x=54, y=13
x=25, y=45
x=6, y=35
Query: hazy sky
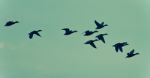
x=57, y=56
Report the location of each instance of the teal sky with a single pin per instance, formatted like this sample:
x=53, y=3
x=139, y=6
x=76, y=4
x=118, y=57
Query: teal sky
x=57, y=56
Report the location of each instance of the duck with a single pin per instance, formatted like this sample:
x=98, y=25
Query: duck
x=91, y=42
x=100, y=25
x=68, y=31
x=88, y=32
x=119, y=46
x=101, y=37
x=34, y=32
x=10, y=23
x=131, y=54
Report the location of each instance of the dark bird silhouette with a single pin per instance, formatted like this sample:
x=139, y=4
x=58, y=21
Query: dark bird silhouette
x=10, y=23
x=101, y=37
x=35, y=32
x=100, y=25
x=68, y=31
x=88, y=32
x=91, y=42
x=119, y=46
x=131, y=54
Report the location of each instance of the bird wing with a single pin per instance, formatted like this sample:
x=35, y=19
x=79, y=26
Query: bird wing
x=128, y=54
x=30, y=35
x=97, y=23
x=93, y=45
x=67, y=30
x=103, y=40
x=120, y=48
x=38, y=34
x=116, y=48
x=132, y=51
x=102, y=23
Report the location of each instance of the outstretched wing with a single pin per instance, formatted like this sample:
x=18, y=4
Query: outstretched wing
x=132, y=51
x=120, y=48
x=67, y=30
x=116, y=48
x=103, y=40
x=97, y=24
x=93, y=45
x=38, y=34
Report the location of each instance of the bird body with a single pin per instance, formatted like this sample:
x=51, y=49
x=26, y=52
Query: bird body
x=100, y=25
x=10, y=23
x=119, y=46
x=131, y=54
x=101, y=37
x=88, y=32
x=35, y=32
x=68, y=31
x=91, y=42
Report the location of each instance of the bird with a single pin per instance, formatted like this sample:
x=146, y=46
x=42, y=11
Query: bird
x=10, y=23
x=88, y=32
x=100, y=25
x=91, y=42
x=101, y=37
x=68, y=31
x=34, y=32
x=119, y=46
x=131, y=54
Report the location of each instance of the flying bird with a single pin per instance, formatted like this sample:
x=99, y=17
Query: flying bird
x=119, y=46
x=68, y=31
x=91, y=42
x=35, y=32
x=10, y=23
x=100, y=25
x=131, y=54
x=88, y=32
x=101, y=37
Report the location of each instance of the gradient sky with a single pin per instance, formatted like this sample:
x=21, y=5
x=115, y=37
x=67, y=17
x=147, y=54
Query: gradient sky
x=57, y=56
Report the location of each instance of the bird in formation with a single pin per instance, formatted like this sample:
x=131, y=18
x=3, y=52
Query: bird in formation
x=119, y=46
x=10, y=23
x=131, y=54
x=91, y=42
x=88, y=32
x=35, y=32
x=68, y=31
x=101, y=37
x=100, y=25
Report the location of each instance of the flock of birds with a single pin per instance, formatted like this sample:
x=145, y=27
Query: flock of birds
x=118, y=46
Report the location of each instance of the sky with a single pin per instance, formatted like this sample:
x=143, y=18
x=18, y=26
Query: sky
x=57, y=56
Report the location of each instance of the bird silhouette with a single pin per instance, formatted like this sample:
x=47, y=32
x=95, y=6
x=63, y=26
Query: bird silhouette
x=131, y=54
x=10, y=23
x=101, y=37
x=91, y=42
x=119, y=46
x=68, y=31
x=88, y=32
x=100, y=25
x=35, y=32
